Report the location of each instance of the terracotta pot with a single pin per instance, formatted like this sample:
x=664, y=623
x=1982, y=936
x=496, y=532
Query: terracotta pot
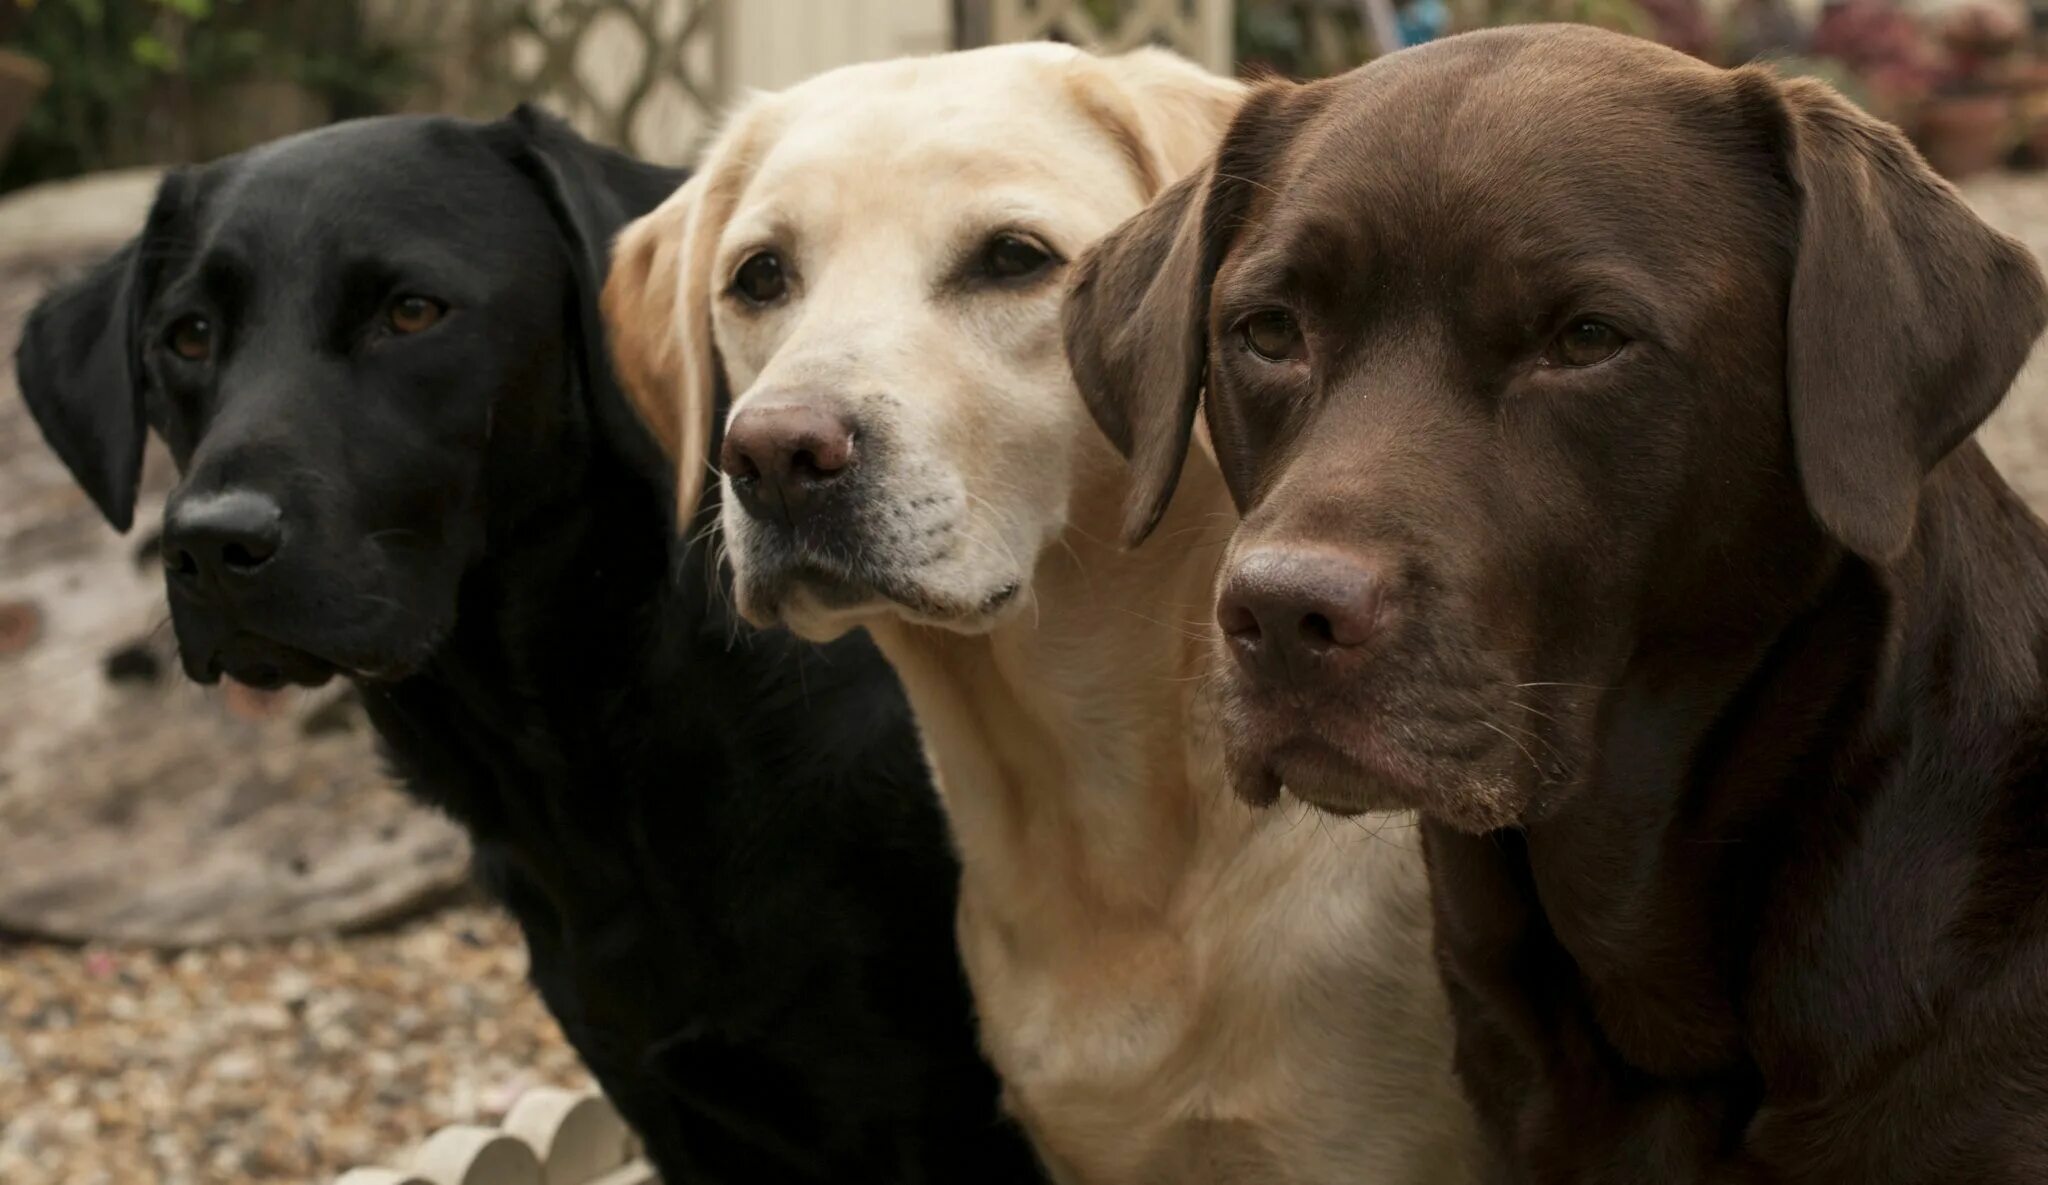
x=22, y=81
x=1965, y=134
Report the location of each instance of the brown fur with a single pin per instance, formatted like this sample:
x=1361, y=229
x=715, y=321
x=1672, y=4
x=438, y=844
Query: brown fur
x=1715, y=664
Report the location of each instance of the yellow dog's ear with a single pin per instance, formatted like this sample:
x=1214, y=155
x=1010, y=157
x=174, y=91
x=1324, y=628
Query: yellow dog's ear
x=657, y=308
x=1163, y=112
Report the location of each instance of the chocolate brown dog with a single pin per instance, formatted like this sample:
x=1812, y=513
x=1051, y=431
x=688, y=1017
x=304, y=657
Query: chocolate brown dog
x=1601, y=423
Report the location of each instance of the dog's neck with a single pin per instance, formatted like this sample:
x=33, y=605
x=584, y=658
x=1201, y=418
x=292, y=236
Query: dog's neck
x=1741, y=749
x=573, y=572
x=1845, y=648
x=1068, y=742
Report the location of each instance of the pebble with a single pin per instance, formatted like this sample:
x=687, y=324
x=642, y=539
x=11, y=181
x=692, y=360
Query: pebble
x=264, y=1064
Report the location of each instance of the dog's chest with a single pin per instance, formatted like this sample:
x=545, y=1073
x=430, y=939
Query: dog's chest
x=1286, y=1027
x=1106, y=1061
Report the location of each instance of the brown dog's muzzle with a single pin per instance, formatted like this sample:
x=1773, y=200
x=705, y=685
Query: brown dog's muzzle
x=1295, y=615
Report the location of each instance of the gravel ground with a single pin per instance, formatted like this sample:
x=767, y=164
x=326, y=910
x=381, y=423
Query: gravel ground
x=288, y=1062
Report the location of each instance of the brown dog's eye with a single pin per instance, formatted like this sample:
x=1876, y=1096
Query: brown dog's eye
x=191, y=338
x=1587, y=341
x=414, y=314
x=760, y=280
x=1274, y=336
x=1010, y=257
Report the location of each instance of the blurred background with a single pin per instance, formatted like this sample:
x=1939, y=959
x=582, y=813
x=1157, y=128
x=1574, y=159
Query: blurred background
x=229, y=951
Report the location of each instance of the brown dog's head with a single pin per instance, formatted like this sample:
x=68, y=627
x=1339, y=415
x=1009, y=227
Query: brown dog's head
x=1528, y=353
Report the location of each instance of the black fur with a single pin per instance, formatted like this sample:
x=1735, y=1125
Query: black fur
x=721, y=845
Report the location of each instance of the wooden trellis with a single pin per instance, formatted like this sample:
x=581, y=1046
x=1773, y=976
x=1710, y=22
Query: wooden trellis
x=646, y=75
x=1199, y=29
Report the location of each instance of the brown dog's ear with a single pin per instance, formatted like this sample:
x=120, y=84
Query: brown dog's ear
x=1908, y=320
x=1137, y=339
x=1137, y=316
x=657, y=307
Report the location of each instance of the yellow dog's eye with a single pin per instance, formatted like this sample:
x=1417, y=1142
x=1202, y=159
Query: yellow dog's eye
x=1274, y=335
x=410, y=314
x=1587, y=341
x=1012, y=257
x=761, y=280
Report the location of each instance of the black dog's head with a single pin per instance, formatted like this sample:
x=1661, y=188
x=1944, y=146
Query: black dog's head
x=369, y=348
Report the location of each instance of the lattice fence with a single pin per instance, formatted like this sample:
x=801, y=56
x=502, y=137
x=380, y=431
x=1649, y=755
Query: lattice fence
x=646, y=75
x=1200, y=29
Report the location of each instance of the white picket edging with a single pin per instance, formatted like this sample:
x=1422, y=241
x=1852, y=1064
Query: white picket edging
x=550, y=1137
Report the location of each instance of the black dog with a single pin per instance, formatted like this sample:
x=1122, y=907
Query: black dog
x=375, y=355
x=1601, y=422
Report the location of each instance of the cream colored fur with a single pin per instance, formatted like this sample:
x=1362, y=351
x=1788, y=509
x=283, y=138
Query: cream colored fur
x=1175, y=988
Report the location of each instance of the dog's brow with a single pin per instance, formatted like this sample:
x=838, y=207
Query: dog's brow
x=1000, y=211
x=421, y=263
x=1257, y=282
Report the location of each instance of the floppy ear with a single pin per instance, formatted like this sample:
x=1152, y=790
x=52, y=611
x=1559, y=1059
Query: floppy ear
x=658, y=306
x=640, y=311
x=1908, y=319
x=592, y=192
x=1137, y=339
x=1163, y=111
x=1137, y=316
x=80, y=370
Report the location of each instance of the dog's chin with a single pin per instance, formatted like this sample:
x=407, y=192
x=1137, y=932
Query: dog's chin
x=1357, y=767
x=258, y=662
x=819, y=602
x=267, y=663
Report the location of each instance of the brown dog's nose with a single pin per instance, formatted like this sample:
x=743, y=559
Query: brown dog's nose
x=785, y=458
x=1293, y=613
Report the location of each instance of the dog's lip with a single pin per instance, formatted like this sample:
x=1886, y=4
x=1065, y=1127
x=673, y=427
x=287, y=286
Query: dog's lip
x=1341, y=780
x=263, y=663
x=1361, y=769
x=846, y=589
x=266, y=663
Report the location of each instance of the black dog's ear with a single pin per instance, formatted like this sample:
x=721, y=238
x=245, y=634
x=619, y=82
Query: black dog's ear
x=80, y=370
x=1908, y=318
x=1137, y=316
x=593, y=192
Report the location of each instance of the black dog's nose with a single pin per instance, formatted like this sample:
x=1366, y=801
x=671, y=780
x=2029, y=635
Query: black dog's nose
x=1294, y=614
x=785, y=458
x=216, y=540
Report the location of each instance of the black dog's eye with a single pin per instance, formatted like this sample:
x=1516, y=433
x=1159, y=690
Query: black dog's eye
x=1587, y=341
x=414, y=314
x=1013, y=257
x=1274, y=335
x=761, y=280
x=191, y=338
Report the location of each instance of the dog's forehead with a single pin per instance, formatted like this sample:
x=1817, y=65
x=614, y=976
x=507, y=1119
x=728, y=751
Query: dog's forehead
x=992, y=128
x=1519, y=145
x=365, y=184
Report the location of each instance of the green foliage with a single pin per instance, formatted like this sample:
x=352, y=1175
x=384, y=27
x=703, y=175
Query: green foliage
x=154, y=81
